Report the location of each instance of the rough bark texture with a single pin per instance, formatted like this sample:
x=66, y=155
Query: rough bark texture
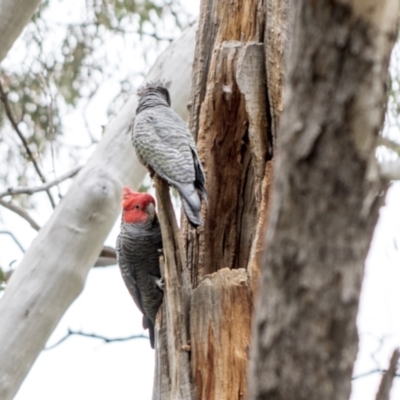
x=221, y=300
x=326, y=199
x=54, y=269
x=279, y=24
x=172, y=375
x=230, y=116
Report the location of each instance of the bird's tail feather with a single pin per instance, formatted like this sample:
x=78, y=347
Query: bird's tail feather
x=147, y=324
x=202, y=190
x=191, y=202
x=193, y=216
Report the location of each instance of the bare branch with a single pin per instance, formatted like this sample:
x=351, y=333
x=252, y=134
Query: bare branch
x=109, y=252
x=17, y=242
x=94, y=336
x=4, y=100
x=372, y=372
x=41, y=188
x=105, y=262
x=387, y=378
x=107, y=257
x=21, y=212
x=365, y=374
x=390, y=144
x=390, y=170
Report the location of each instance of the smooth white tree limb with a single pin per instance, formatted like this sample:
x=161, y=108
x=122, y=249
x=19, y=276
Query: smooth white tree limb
x=15, y=14
x=53, y=272
x=390, y=170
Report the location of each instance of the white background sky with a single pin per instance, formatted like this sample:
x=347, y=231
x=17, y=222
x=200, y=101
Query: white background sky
x=83, y=368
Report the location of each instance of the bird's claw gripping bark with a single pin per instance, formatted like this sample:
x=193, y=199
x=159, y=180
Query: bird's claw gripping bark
x=160, y=283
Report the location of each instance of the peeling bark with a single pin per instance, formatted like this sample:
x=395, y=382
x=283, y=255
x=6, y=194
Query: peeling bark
x=230, y=116
x=220, y=21
x=279, y=16
x=220, y=300
x=250, y=77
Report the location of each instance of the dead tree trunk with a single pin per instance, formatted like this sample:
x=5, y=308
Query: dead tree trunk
x=212, y=272
x=326, y=198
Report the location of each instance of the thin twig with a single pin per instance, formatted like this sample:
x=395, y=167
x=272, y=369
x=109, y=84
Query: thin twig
x=41, y=188
x=94, y=336
x=18, y=243
x=372, y=372
x=4, y=100
x=387, y=378
x=21, y=212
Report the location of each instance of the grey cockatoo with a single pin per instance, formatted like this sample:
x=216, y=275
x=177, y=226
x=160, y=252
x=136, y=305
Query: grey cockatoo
x=164, y=143
x=138, y=249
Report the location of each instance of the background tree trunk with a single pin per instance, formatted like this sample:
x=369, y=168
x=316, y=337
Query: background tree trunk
x=15, y=14
x=53, y=271
x=234, y=110
x=326, y=198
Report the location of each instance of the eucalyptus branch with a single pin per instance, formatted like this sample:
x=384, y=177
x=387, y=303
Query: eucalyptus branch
x=94, y=336
x=390, y=170
x=21, y=212
x=107, y=257
x=10, y=115
x=41, y=188
x=390, y=144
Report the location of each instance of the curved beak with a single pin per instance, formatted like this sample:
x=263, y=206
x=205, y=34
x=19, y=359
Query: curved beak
x=151, y=211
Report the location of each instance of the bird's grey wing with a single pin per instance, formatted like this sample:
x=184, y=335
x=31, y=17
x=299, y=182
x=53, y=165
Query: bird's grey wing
x=161, y=140
x=184, y=132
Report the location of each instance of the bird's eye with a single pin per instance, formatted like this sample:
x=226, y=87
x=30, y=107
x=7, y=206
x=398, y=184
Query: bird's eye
x=137, y=206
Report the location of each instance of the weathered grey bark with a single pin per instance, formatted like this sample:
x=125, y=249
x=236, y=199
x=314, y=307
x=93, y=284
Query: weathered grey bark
x=54, y=269
x=172, y=378
x=326, y=199
x=279, y=23
x=14, y=15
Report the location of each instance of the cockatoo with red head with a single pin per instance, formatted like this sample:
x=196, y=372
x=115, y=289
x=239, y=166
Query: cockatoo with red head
x=138, y=249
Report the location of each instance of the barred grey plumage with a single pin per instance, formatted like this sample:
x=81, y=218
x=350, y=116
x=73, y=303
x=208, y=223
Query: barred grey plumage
x=138, y=250
x=164, y=143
